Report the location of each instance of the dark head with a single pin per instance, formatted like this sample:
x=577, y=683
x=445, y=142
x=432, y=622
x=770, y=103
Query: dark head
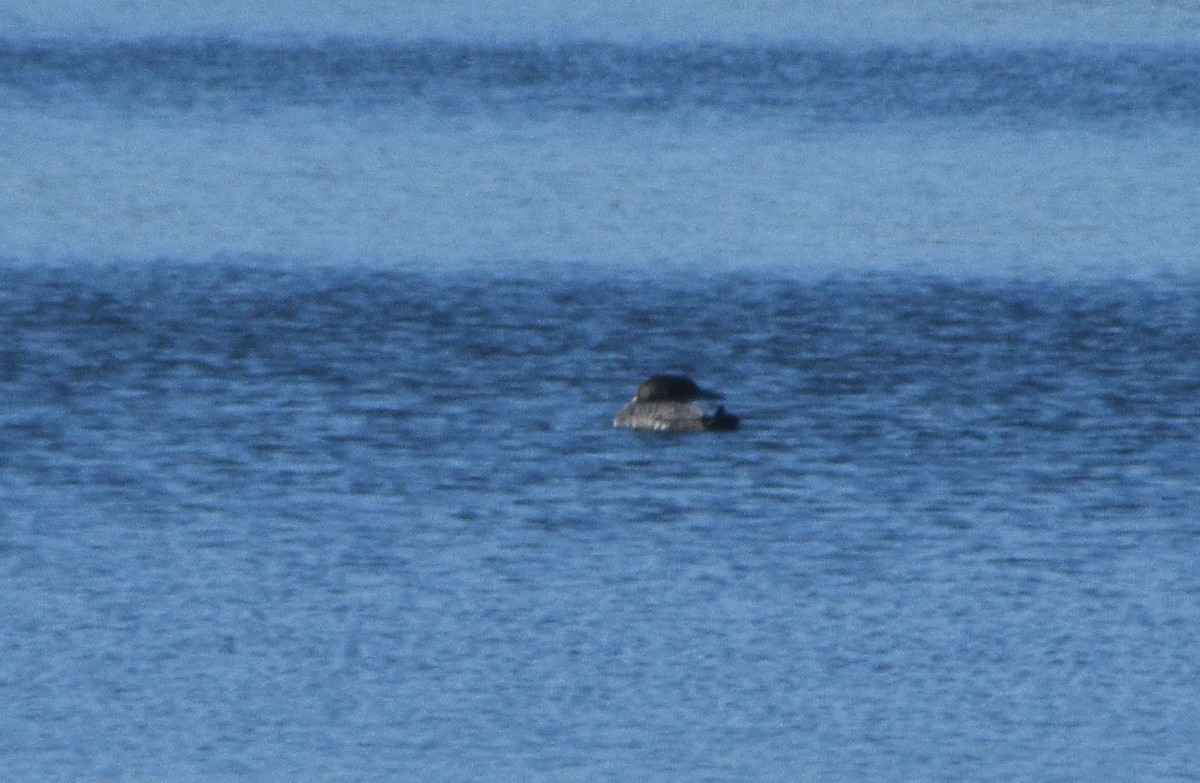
x=672, y=388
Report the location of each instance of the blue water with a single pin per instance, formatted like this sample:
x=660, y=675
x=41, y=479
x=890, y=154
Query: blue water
x=315, y=324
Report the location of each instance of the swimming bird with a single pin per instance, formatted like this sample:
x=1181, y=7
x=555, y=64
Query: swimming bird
x=667, y=403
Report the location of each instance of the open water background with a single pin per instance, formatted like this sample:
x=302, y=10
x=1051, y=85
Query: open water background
x=314, y=325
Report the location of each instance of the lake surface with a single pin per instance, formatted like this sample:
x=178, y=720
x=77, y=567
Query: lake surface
x=314, y=333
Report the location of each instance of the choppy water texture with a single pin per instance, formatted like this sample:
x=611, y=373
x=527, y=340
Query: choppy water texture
x=813, y=83
x=313, y=338
x=377, y=524
x=1067, y=158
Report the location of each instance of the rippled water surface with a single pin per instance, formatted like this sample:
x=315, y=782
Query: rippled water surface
x=313, y=333
x=316, y=521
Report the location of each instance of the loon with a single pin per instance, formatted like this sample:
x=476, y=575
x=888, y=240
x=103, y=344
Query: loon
x=667, y=403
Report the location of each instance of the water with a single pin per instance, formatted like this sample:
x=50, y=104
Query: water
x=458, y=155
x=315, y=327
